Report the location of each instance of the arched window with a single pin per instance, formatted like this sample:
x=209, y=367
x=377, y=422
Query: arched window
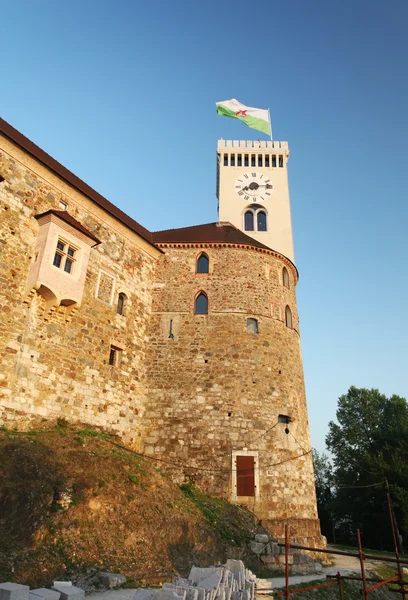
x=201, y=304
x=285, y=278
x=120, y=308
x=203, y=263
x=252, y=326
x=261, y=220
x=288, y=317
x=249, y=220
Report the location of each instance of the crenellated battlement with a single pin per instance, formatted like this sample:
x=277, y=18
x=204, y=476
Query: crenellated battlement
x=253, y=145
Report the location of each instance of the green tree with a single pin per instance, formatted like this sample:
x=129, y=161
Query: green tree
x=323, y=473
x=369, y=444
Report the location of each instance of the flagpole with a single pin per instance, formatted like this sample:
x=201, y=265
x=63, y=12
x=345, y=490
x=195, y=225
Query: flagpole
x=270, y=124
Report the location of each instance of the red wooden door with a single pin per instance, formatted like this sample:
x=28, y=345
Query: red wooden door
x=245, y=476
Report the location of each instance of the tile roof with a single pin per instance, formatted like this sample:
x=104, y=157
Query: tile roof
x=65, y=216
x=208, y=233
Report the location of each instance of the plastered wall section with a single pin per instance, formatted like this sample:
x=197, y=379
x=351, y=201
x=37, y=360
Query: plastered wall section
x=215, y=390
x=55, y=363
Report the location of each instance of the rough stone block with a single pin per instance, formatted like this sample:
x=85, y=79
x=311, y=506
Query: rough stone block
x=250, y=587
x=263, y=538
x=45, y=594
x=111, y=580
x=237, y=568
x=282, y=559
x=68, y=591
x=263, y=584
x=181, y=581
x=304, y=558
x=258, y=547
x=317, y=567
x=208, y=578
x=192, y=593
x=13, y=591
x=275, y=549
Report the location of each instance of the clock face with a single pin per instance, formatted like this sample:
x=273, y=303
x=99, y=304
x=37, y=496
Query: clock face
x=253, y=185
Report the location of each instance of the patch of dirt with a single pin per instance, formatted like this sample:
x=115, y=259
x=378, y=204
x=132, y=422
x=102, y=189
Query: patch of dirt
x=74, y=499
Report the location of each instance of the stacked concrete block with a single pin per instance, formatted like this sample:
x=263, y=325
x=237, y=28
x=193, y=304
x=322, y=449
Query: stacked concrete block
x=44, y=594
x=13, y=591
x=228, y=582
x=68, y=591
x=61, y=590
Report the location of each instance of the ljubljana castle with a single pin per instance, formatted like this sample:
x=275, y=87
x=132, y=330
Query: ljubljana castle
x=183, y=342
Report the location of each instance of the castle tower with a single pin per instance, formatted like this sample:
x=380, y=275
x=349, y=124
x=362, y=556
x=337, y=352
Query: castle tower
x=227, y=405
x=253, y=191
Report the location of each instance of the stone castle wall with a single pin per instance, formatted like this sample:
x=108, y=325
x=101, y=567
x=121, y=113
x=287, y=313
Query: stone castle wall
x=54, y=363
x=192, y=401
x=216, y=389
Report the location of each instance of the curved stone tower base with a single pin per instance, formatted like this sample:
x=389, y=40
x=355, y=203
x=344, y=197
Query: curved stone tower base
x=227, y=403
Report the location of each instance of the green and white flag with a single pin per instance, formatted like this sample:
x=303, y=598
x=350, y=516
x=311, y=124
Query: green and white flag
x=256, y=118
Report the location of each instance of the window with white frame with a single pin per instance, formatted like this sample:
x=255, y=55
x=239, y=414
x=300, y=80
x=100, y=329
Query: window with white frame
x=65, y=256
x=255, y=218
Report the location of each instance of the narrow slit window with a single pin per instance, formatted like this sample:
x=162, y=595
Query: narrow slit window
x=274, y=160
x=253, y=162
x=261, y=220
x=201, y=304
x=259, y=160
x=249, y=220
x=121, y=305
x=232, y=160
x=288, y=317
x=225, y=160
x=267, y=160
x=281, y=161
x=252, y=326
x=239, y=160
x=285, y=278
x=246, y=160
x=114, y=356
x=203, y=263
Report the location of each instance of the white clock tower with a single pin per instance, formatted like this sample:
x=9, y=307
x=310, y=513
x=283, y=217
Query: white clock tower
x=253, y=191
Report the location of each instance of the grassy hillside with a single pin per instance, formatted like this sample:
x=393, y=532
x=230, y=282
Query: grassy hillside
x=73, y=498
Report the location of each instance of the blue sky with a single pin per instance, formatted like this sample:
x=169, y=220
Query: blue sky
x=120, y=91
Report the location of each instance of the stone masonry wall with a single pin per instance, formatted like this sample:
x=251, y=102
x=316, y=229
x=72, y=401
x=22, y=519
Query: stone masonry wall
x=215, y=389
x=55, y=363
